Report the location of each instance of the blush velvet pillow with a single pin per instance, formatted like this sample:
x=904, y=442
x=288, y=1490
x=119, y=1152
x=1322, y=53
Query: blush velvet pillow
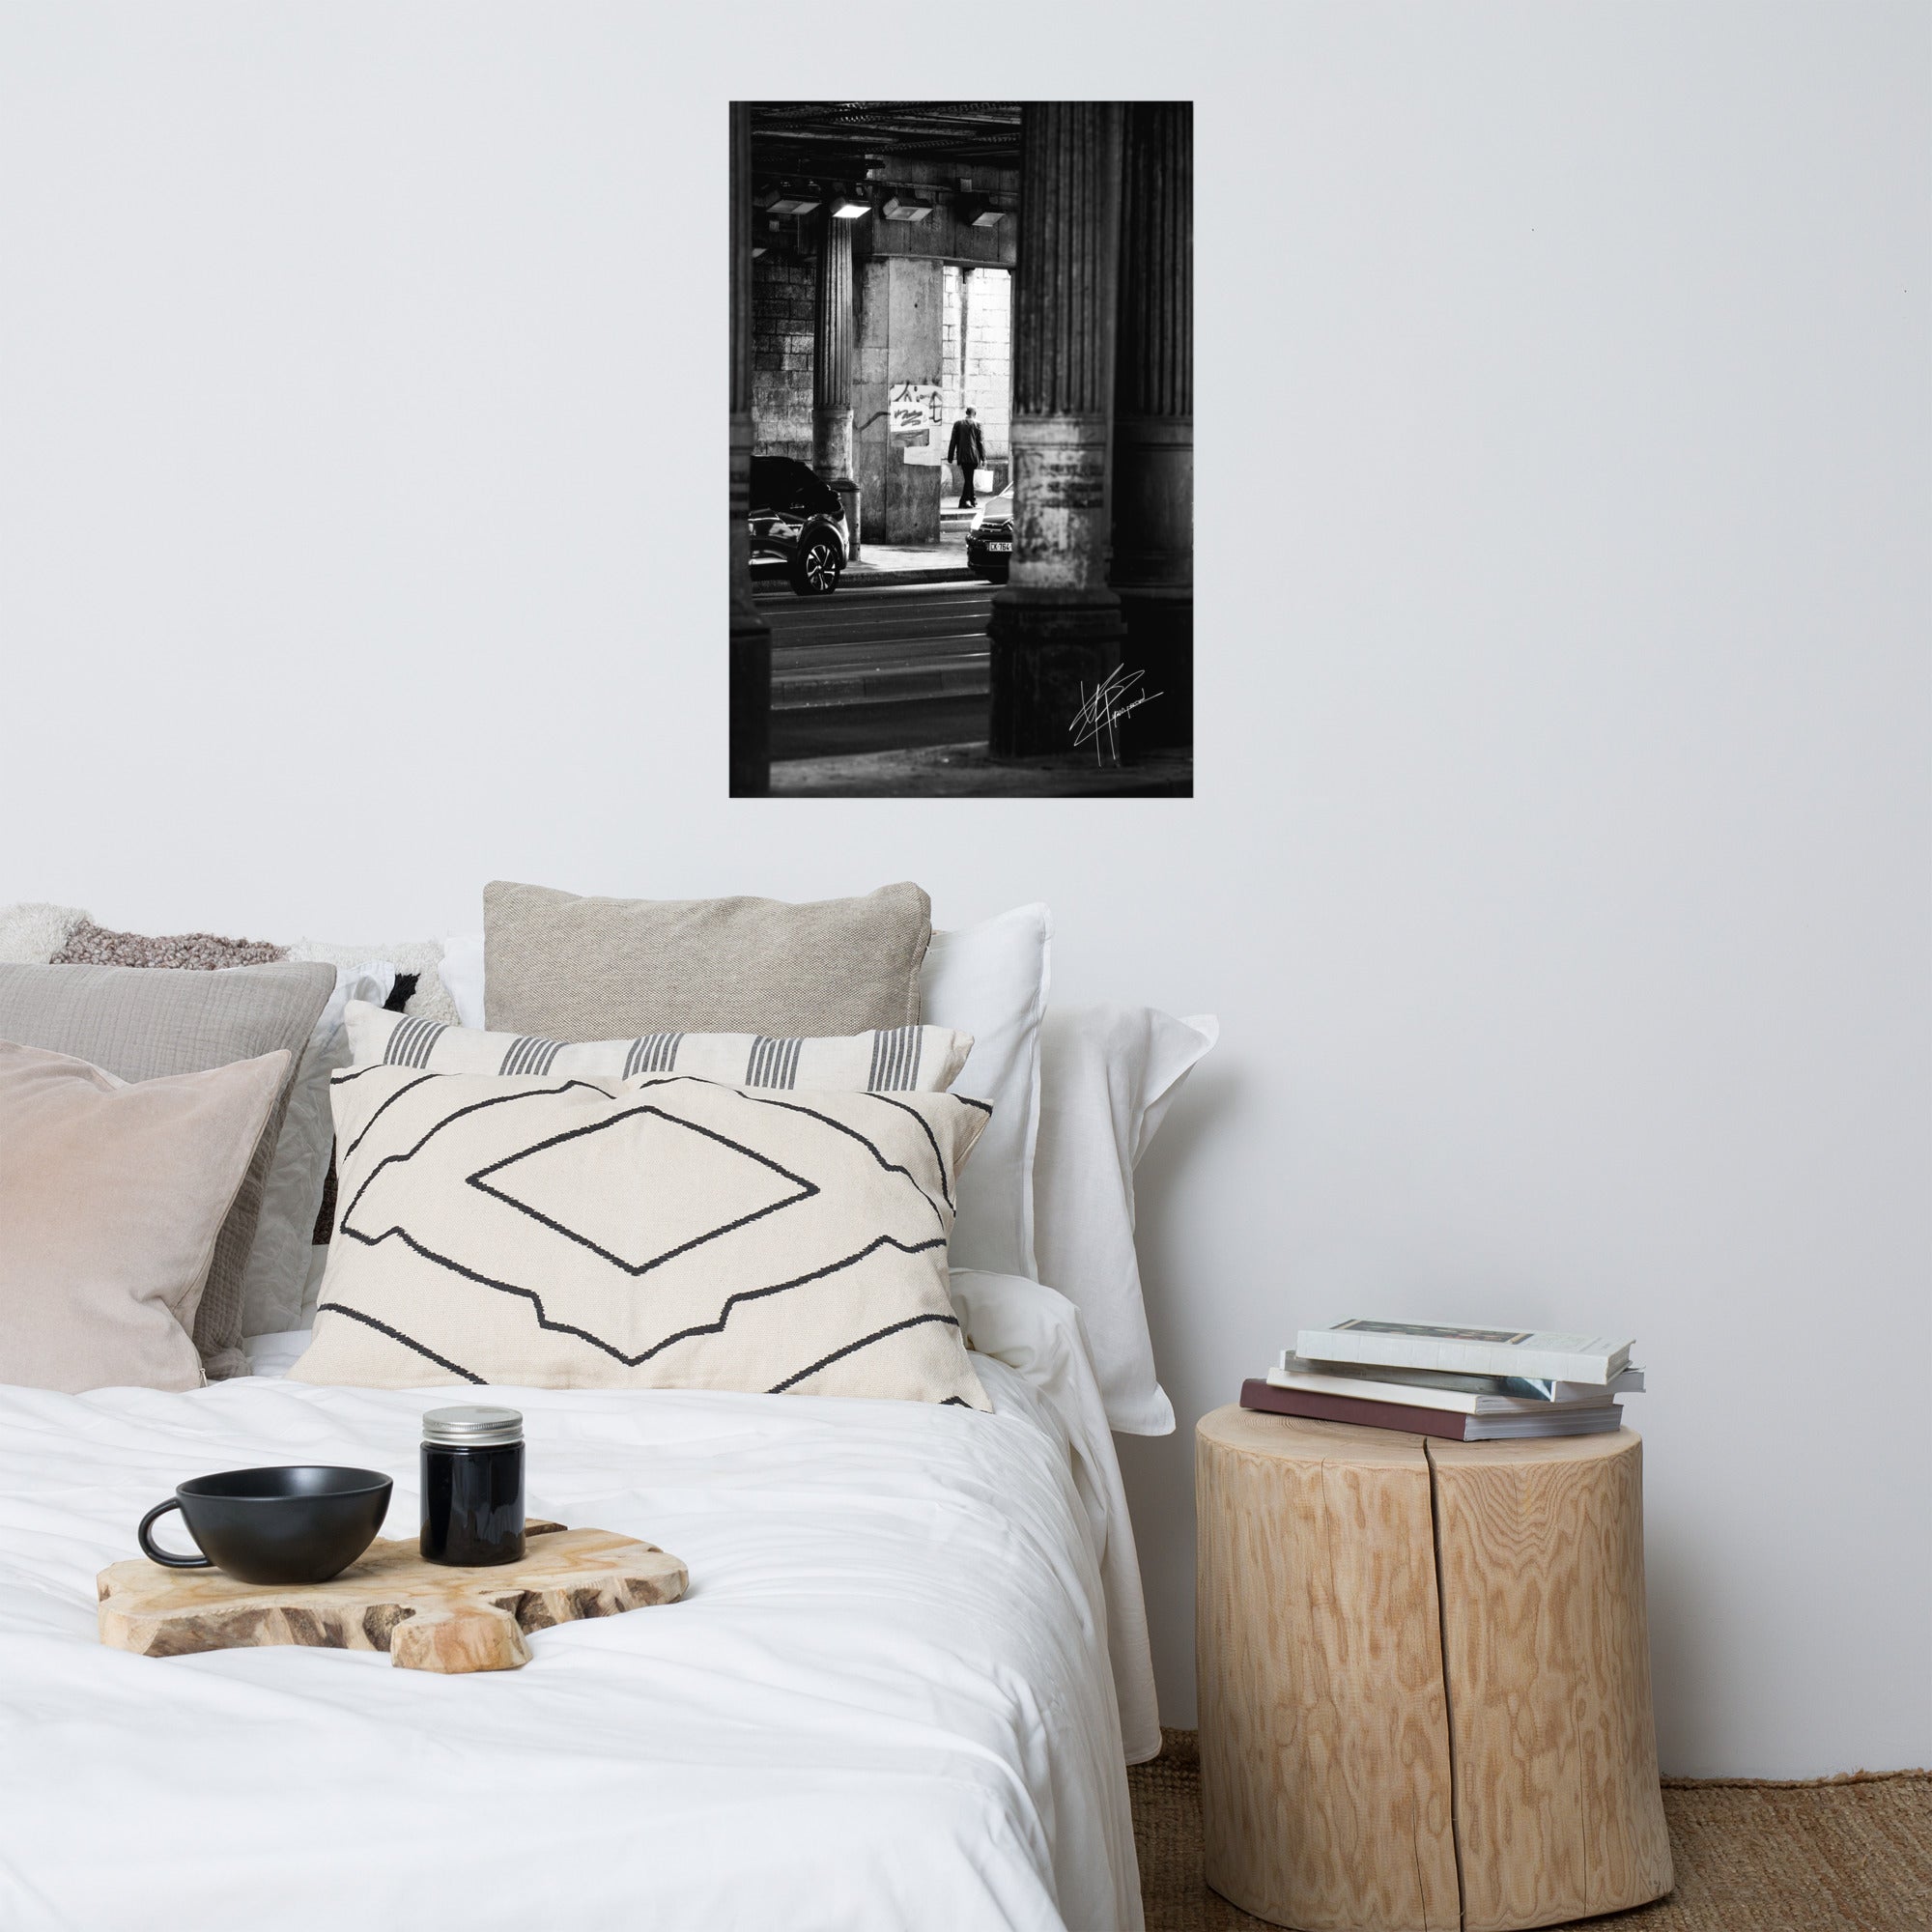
x=142, y=1025
x=112, y=1194
x=655, y=1233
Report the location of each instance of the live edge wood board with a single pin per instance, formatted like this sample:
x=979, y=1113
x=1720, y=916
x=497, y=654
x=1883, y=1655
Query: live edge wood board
x=426, y=1615
x=1425, y=1678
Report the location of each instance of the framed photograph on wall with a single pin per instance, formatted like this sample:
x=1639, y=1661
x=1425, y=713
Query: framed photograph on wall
x=962, y=448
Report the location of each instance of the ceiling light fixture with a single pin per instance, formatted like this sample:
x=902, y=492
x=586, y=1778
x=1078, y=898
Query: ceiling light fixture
x=848, y=206
x=789, y=200
x=977, y=212
x=905, y=206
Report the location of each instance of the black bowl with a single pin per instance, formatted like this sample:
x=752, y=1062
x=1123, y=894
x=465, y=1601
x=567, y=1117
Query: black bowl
x=302, y=1525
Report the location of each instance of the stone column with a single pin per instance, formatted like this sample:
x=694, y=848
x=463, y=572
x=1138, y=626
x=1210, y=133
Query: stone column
x=751, y=661
x=1153, y=420
x=1057, y=626
x=832, y=366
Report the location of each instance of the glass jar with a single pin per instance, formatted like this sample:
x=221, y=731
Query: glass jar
x=472, y=1486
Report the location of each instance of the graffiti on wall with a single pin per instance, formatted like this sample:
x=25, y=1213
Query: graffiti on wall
x=917, y=420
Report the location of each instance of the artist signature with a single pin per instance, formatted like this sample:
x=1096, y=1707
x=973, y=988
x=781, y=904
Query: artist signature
x=1096, y=723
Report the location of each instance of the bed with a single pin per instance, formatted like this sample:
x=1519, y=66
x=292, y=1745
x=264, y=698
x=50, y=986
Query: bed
x=901, y=1691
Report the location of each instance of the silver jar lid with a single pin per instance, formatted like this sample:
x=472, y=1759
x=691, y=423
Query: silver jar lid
x=472, y=1428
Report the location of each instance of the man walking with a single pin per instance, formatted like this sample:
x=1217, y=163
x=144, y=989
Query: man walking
x=968, y=449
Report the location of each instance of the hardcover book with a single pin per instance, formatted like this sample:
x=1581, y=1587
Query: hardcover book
x=1459, y=1395
x=1480, y=1352
x=1582, y=1419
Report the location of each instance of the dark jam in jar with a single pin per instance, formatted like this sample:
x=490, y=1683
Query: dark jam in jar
x=472, y=1486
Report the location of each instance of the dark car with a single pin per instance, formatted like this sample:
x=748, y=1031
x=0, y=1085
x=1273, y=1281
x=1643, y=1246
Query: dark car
x=989, y=543
x=799, y=519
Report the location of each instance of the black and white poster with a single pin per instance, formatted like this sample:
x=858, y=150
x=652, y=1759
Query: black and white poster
x=963, y=450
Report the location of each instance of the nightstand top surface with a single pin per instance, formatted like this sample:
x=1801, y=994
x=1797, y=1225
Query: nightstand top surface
x=1296, y=1439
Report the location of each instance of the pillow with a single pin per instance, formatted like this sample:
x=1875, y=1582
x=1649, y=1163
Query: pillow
x=1108, y=1076
x=91, y=945
x=278, y=1259
x=990, y=980
x=460, y=970
x=907, y=1059
x=139, y=1025
x=51, y=935
x=418, y=959
x=292, y=1190
x=31, y=935
x=112, y=1195
x=656, y=1233
x=569, y=968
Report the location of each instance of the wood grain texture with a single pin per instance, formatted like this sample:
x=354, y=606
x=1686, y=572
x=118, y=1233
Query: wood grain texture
x=1324, y=1762
x=1546, y=1655
x=426, y=1615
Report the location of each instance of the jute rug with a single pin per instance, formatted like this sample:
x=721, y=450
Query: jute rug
x=1849, y=1855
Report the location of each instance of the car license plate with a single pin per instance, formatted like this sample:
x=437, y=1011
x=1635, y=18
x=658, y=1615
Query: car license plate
x=999, y=546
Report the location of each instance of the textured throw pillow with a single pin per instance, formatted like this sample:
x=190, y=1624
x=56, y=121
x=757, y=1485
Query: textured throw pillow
x=1108, y=1075
x=569, y=968
x=51, y=935
x=418, y=964
x=990, y=980
x=923, y=1059
x=658, y=1232
x=91, y=945
x=112, y=1194
x=141, y=1025
x=33, y=932
x=297, y=1178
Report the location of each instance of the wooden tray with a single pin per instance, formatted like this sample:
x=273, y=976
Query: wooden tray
x=426, y=1615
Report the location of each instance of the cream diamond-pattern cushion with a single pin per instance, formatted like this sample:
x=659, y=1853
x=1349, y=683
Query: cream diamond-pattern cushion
x=662, y=1231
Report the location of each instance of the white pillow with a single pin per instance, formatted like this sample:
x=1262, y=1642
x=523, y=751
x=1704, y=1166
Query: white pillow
x=462, y=976
x=421, y=957
x=990, y=980
x=32, y=933
x=278, y=1266
x=1108, y=1076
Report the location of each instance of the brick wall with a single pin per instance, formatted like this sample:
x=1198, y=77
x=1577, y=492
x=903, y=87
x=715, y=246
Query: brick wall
x=781, y=304
x=979, y=370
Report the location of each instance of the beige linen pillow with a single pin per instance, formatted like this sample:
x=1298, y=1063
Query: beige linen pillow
x=141, y=1025
x=112, y=1195
x=570, y=968
x=655, y=1233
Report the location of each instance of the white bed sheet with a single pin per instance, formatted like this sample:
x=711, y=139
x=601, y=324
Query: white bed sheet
x=886, y=1702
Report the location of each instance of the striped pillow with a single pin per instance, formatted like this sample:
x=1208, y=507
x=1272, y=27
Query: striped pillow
x=896, y=1060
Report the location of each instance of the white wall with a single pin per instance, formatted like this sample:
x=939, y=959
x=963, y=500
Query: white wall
x=1558, y=869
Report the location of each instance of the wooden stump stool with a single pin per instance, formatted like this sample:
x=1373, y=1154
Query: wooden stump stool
x=1425, y=1677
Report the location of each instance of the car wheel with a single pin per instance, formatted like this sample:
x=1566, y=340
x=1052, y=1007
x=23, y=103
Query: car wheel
x=815, y=574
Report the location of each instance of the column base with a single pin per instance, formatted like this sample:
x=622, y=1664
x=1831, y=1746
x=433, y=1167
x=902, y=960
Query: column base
x=1051, y=649
x=750, y=706
x=1159, y=644
x=751, y=659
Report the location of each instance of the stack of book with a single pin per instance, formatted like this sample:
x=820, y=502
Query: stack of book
x=1468, y=1384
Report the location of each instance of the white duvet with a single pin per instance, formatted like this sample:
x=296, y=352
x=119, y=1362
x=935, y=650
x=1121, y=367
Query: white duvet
x=887, y=1701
